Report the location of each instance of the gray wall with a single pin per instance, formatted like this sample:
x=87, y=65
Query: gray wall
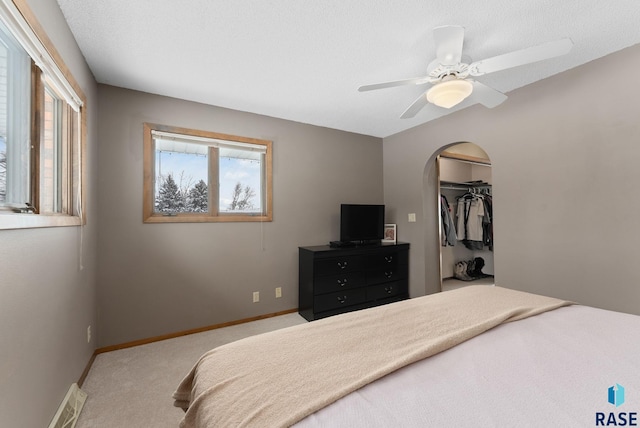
x=46, y=300
x=156, y=279
x=565, y=153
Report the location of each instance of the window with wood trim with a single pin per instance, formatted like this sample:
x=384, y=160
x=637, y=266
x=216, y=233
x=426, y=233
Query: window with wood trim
x=200, y=176
x=41, y=128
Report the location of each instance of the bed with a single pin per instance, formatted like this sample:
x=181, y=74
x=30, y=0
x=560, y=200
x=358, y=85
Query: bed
x=479, y=356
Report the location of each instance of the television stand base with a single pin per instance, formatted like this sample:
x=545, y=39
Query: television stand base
x=367, y=242
x=341, y=244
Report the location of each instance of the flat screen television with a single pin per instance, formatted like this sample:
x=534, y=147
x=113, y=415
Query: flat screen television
x=363, y=224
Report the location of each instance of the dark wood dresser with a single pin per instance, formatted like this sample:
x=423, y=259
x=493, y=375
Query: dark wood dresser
x=337, y=280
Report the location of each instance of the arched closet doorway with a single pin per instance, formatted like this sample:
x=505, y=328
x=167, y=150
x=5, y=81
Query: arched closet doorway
x=466, y=216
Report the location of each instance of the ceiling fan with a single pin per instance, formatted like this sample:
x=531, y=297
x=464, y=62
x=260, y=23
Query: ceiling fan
x=450, y=73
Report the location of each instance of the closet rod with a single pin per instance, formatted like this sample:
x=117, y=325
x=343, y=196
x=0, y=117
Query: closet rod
x=469, y=188
x=465, y=188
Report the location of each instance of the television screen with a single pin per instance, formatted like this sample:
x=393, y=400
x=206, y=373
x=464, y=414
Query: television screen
x=361, y=222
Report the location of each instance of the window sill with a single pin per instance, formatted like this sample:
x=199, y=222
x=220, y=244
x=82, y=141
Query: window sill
x=29, y=221
x=191, y=218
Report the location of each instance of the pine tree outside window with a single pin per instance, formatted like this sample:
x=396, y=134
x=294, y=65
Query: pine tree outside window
x=200, y=176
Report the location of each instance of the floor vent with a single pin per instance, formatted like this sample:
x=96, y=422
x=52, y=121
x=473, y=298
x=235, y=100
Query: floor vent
x=67, y=414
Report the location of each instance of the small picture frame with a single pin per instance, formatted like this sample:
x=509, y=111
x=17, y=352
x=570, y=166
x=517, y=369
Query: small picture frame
x=389, y=233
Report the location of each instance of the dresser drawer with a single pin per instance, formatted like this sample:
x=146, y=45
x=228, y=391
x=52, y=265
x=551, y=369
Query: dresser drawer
x=337, y=265
x=326, y=302
x=383, y=291
x=343, y=281
x=390, y=273
x=384, y=260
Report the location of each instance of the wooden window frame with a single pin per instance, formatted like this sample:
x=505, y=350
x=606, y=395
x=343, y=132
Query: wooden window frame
x=213, y=216
x=73, y=189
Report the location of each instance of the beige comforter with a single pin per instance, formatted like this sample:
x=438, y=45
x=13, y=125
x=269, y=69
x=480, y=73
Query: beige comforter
x=278, y=378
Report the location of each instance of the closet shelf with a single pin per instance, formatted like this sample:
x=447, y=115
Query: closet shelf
x=466, y=183
x=464, y=186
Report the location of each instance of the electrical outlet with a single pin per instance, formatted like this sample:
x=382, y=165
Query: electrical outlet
x=278, y=292
x=412, y=217
x=88, y=334
x=256, y=296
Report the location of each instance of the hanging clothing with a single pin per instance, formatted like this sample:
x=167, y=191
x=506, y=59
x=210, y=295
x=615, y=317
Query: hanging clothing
x=487, y=224
x=448, y=229
x=470, y=221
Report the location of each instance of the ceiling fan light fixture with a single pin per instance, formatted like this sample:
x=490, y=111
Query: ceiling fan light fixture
x=449, y=93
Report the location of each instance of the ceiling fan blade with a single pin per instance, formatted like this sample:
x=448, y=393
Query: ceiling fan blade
x=448, y=39
x=521, y=57
x=486, y=95
x=414, y=81
x=415, y=107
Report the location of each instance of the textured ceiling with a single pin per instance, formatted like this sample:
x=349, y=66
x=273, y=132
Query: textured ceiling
x=303, y=60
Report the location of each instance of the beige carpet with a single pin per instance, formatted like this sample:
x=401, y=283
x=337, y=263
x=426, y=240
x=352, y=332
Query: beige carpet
x=132, y=388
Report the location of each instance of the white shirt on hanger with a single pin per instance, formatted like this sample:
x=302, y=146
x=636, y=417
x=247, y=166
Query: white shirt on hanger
x=475, y=209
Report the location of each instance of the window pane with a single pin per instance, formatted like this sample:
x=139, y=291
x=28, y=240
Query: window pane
x=3, y=119
x=241, y=173
x=51, y=155
x=15, y=83
x=181, y=184
x=3, y=170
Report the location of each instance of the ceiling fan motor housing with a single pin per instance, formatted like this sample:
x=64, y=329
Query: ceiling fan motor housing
x=442, y=72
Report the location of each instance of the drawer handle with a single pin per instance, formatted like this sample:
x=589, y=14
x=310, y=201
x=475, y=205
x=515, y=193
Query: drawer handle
x=342, y=299
x=388, y=289
x=342, y=282
x=388, y=274
x=388, y=259
x=342, y=265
